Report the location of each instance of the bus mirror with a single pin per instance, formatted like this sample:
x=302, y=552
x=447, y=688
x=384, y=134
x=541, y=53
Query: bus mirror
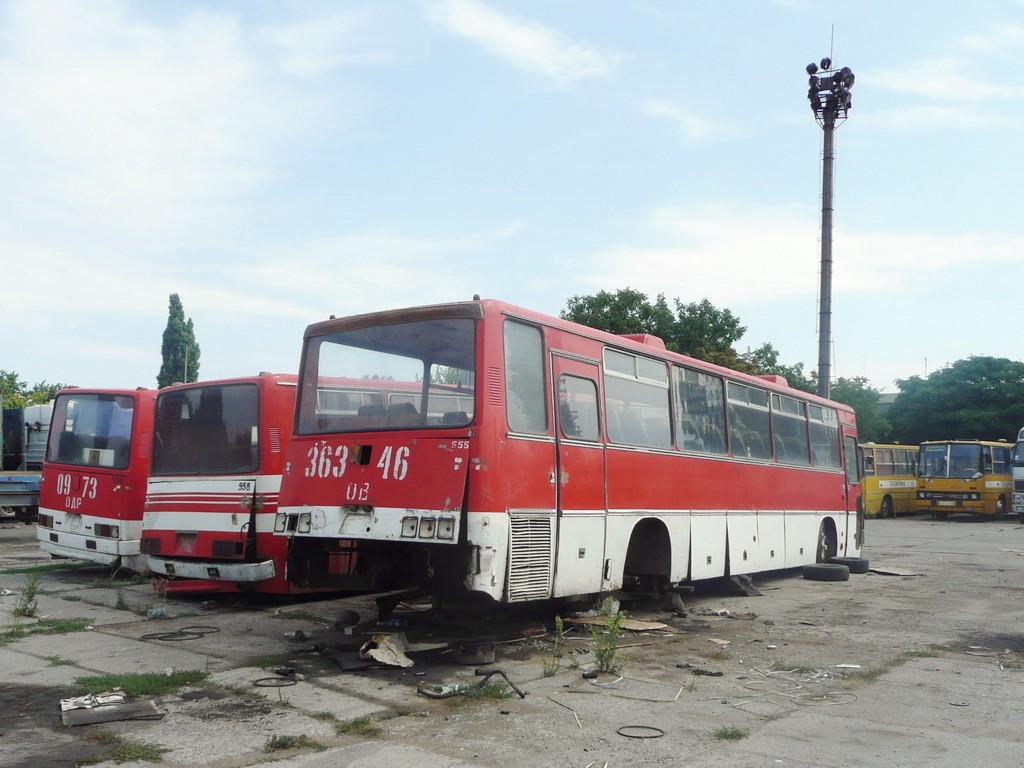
x=977, y=476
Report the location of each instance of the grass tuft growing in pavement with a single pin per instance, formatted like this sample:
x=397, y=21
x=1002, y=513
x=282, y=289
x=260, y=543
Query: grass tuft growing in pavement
x=139, y=684
x=121, y=750
x=277, y=743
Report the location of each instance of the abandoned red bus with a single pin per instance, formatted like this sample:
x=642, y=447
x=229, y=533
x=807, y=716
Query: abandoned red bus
x=94, y=475
x=213, y=487
x=541, y=459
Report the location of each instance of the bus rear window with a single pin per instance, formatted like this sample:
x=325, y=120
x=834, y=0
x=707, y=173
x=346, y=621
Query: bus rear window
x=207, y=430
x=407, y=375
x=92, y=430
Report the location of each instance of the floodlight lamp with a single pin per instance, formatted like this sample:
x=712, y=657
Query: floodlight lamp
x=826, y=63
x=812, y=68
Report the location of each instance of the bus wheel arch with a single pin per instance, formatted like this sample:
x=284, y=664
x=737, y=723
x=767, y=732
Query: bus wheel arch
x=887, y=509
x=649, y=554
x=828, y=541
x=1001, y=506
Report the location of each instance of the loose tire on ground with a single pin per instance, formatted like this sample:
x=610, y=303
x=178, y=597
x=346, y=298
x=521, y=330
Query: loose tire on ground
x=826, y=572
x=855, y=564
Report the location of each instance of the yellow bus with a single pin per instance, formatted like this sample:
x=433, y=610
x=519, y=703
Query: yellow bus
x=890, y=479
x=964, y=476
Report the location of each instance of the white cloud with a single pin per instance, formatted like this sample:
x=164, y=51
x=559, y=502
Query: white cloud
x=390, y=270
x=693, y=129
x=1003, y=41
x=943, y=79
x=138, y=127
x=524, y=45
x=316, y=45
x=743, y=253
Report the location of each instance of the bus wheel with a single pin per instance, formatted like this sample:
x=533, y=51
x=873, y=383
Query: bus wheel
x=1001, y=507
x=826, y=572
x=855, y=564
x=887, y=510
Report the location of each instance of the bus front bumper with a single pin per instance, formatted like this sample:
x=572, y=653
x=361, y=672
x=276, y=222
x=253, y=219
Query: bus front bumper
x=242, y=573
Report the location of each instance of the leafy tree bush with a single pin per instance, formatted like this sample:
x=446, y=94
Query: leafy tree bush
x=978, y=398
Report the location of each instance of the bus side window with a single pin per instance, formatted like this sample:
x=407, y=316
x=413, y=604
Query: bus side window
x=525, y=393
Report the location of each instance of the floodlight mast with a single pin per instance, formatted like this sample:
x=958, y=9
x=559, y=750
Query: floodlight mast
x=829, y=94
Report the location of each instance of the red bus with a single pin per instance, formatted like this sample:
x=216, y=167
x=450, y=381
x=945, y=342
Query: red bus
x=218, y=451
x=94, y=475
x=542, y=459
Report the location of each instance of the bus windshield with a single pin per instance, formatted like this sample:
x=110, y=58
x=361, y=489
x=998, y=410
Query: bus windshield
x=92, y=430
x=950, y=460
x=207, y=430
x=400, y=376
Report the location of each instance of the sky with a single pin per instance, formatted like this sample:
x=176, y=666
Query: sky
x=278, y=163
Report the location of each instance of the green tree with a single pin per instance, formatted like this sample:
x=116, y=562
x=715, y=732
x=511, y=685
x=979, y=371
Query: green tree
x=179, y=350
x=699, y=329
x=872, y=426
x=976, y=398
x=15, y=393
x=765, y=360
x=625, y=311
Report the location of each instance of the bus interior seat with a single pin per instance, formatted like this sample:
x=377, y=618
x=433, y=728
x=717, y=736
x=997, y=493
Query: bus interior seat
x=69, y=447
x=632, y=429
x=780, y=447
x=714, y=440
x=658, y=431
x=120, y=447
x=455, y=417
x=372, y=415
x=403, y=415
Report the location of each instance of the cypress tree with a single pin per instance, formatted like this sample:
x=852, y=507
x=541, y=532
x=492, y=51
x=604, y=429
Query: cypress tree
x=179, y=350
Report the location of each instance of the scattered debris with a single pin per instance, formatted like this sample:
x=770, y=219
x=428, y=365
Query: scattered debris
x=893, y=572
x=745, y=583
x=387, y=649
x=723, y=612
x=634, y=625
x=106, y=707
x=640, y=732
x=473, y=653
x=846, y=666
x=719, y=642
x=447, y=690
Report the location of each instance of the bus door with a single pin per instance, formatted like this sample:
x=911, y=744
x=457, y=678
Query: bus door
x=580, y=477
x=854, y=501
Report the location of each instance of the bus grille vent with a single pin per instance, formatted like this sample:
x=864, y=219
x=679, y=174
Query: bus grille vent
x=530, y=559
x=275, y=439
x=145, y=444
x=495, y=386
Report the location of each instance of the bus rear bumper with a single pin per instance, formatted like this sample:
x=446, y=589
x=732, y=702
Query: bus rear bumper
x=242, y=573
x=92, y=548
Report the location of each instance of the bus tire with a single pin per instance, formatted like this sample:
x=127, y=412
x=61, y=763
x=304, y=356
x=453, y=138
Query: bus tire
x=855, y=564
x=826, y=572
x=1001, y=507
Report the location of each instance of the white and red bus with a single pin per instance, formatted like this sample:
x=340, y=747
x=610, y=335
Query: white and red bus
x=537, y=458
x=218, y=451
x=94, y=475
